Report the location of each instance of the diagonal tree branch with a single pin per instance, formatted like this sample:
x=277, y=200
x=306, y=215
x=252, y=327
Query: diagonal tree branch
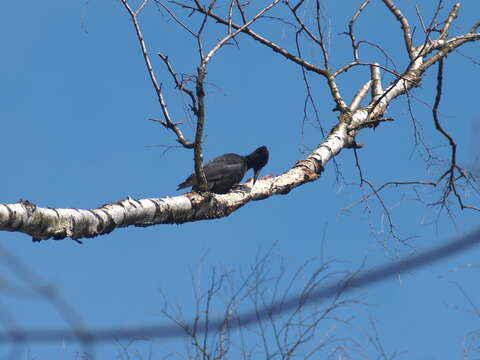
x=407, y=33
x=278, y=49
x=231, y=35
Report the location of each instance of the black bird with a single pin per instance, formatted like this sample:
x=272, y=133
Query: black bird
x=225, y=171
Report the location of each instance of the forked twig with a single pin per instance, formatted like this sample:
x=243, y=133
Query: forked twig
x=168, y=123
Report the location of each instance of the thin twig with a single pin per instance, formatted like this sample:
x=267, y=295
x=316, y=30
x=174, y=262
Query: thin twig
x=230, y=36
x=180, y=84
x=175, y=18
x=278, y=49
x=452, y=178
x=168, y=123
x=350, y=32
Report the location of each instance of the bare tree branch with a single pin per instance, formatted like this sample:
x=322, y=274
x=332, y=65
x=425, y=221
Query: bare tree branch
x=260, y=39
x=351, y=33
x=360, y=95
x=168, y=123
x=180, y=85
x=43, y=223
x=198, y=152
x=258, y=315
x=239, y=30
x=407, y=34
x=451, y=16
x=451, y=172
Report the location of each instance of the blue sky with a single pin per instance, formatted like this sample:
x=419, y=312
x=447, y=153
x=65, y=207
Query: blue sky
x=74, y=107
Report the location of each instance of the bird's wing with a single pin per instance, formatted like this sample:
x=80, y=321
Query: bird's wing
x=231, y=165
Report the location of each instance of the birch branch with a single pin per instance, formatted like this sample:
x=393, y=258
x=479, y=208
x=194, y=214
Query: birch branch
x=46, y=223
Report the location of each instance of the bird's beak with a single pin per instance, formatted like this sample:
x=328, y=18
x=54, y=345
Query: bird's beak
x=255, y=176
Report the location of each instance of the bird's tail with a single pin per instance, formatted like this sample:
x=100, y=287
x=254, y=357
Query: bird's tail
x=190, y=181
x=183, y=185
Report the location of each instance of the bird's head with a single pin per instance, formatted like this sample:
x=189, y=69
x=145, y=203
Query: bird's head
x=257, y=160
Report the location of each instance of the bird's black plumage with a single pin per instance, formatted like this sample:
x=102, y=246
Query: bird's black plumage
x=225, y=171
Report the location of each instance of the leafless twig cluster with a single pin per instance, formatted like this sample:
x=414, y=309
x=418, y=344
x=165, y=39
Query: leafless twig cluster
x=305, y=331
x=261, y=305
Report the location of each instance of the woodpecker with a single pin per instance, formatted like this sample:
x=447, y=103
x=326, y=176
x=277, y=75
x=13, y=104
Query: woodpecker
x=226, y=171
